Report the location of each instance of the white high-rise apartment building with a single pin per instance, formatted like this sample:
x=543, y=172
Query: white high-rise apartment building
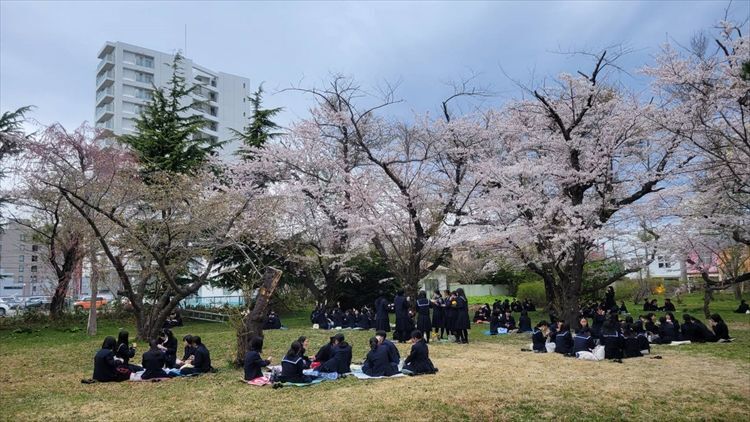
x=125, y=78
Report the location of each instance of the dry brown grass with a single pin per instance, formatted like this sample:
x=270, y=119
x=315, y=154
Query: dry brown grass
x=489, y=379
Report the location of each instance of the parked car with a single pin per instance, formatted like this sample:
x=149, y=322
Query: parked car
x=5, y=306
x=85, y=303
x=38, y=303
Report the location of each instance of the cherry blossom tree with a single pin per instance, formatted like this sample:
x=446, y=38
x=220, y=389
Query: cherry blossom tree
x=574, y=166
x=159, y=259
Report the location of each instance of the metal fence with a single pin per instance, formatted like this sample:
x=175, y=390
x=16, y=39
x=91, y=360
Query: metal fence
x=214, y=302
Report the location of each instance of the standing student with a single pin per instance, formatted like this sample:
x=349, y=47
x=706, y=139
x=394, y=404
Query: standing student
x=376, y=363
x=424, y=324
x=154, y=361
x=292, y=366
x=382, y=322
x=169, y=347
x=609, y=299
x=341, y=360
x=401, y=308
x=438, y=313
x=450, y=313
x=125, y=352
x=418, y=362
x=105, y=367
x=462, y=323
x=539, y=338
x=253, y=363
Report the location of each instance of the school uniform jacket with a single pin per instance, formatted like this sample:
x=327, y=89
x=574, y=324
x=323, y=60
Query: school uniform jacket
x=394, y=357
x=524, y=324
x=153, y=362
x=613, y=345
x=382, y=322
x=538, y=340
x=461, y=308
x=582, y=343
x=253, y=365
x=340, y=361
x=721, y=331
x=424, y=323
x=632, y=348
x=105, y=369
x=377, y=363
x=171, y=353
x=202, y=361
x=418, y=360
x=291, y=370
x=125, y=353
x=563, y=342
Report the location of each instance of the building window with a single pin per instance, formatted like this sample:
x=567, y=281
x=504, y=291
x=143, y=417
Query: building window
x=34, y=258
x=20, y=268
x=663, y=263
x=144, y=61
x=22, y=238
x=144, y=77
x=34, y=248
x=21, y=258
x=20, y=279
x=33, y=279
x=33, y=268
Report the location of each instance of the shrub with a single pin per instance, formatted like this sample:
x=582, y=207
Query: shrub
x=481, y=300
x=533, y=291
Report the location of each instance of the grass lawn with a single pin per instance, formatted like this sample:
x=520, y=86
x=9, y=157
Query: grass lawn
x=489, y=379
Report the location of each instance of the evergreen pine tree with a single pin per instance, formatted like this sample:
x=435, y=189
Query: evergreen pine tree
x=167, y=134
x=261, y=127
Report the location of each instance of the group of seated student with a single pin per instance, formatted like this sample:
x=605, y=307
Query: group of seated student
x=273, y=322
x=514, y=306
x=653, y=306
x=174, y=319
x=625, y=338
x=335, y=318
x=112, y=361
x=500, y=319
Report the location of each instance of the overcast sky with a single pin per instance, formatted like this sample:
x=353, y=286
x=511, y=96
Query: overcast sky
x=48, y=49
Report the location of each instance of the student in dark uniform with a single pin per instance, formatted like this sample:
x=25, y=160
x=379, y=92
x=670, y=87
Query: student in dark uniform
x=169, y=347
x=583, y=341
x=450, y=313
x=609, y=298
x=743, y=308
x=201, y=358
x=394, y=357
x=341, y=359
x=187, y=351
x=154, y=361
x=599, y=318
x=105, y=368
x=325, y=352
x=376, y=363
x=125, y=352
x=631, y=345
x=721, y=331
x=438, y=314
x=292, y=366
x=524, y=323
x=401, y=308
x=495, y=322
x=668, y=306
x=418, y=361
x=253, y=362
x=424, y=324
x=677, y=328
x=539, y=337
x=563, y=340
x=666, y=331
x=305, y=344
x=507, y=321
x=623, y=309
x=462, y=324
x=382, y=322
x=612, y=341
x=642, y=337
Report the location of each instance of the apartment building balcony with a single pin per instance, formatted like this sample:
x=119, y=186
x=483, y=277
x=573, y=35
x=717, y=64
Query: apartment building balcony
x=106, y=124
x=105, y=112
x=105, y=79
x=108, y=62
x=105, y=95
x=108, y=48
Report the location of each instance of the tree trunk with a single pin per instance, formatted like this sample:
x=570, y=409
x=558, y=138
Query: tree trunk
x=57, y=305
x=94, y=287
x=252, y=323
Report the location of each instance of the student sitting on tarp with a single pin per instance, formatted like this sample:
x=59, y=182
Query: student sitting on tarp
x=376, y=363
x=105, y=367
x=253, y=362
x=418, y=362
x=341, y=358
x=292, y=366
